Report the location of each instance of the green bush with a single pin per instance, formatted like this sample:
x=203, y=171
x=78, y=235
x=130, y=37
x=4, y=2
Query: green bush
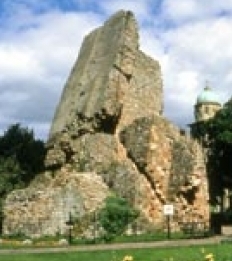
x=115, y=216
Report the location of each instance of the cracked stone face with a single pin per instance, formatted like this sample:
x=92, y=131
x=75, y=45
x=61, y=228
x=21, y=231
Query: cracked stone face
x=109, y=135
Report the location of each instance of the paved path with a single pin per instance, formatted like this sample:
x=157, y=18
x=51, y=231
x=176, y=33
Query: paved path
x=167, y=243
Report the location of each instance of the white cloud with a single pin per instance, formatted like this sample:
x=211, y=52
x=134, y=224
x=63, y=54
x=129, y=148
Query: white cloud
x=187, y=83
x=206, y=38
x=19, y=61
x=139, y=7
x=180, y=9
x=195, y=52
x=188, y=10
x=191, y=39
x=35, y=62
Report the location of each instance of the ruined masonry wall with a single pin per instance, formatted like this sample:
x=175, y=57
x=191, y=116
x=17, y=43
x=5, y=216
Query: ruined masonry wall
x=109, y=135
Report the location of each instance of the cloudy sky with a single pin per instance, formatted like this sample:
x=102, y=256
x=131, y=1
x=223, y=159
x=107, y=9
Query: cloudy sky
x=40, y=40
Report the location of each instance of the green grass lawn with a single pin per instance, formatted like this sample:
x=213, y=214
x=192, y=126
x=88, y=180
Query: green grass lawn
x=221, y=252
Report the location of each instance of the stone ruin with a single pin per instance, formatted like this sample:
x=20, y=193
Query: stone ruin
x=109, y=135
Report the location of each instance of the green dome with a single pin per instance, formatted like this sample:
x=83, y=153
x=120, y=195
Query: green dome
x=207, y=96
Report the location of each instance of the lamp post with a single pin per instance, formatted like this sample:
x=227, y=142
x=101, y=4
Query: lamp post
x=69, y=224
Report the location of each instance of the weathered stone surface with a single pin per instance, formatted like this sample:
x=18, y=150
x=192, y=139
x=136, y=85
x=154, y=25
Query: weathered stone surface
x=173, y=168
x=37, y=211
x=110, y=79
x=109, y=134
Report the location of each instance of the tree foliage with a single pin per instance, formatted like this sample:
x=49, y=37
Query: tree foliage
x=19, y=143
x=220, y=127
x=216, y=134
x=219, y=131
x=21, y=158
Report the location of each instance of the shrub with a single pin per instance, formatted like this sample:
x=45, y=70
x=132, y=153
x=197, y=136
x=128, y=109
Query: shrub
x=115, y=216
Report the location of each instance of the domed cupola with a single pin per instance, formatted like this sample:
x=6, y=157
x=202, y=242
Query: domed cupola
x=207, y=96
x=207, y=105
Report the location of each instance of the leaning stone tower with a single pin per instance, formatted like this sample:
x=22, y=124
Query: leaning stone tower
x=109, y=136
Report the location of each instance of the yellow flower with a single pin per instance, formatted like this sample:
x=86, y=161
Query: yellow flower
x=128, y=258
x=209, y=257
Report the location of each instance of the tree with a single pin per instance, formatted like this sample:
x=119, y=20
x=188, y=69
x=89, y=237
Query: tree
x=21, y=159
x=20, y=143
x=216, y=134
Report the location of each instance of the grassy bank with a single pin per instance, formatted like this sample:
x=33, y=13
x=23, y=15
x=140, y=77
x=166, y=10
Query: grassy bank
x=221, y=252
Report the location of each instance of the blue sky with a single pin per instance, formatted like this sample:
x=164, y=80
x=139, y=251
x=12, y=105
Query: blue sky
x=40, y=41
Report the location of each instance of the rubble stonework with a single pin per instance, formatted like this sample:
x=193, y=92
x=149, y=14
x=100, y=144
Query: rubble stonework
x=109, y=134
x=45, y=209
